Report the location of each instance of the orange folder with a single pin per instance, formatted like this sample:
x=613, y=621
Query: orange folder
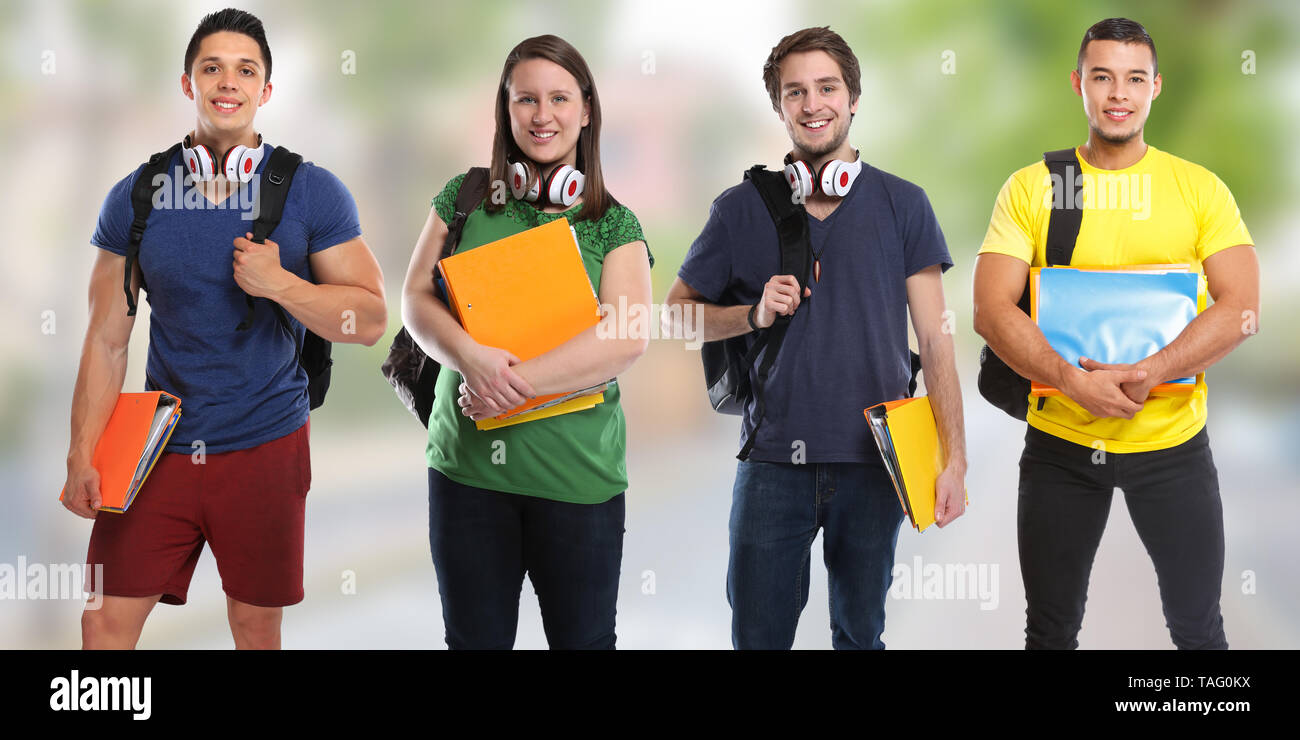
x=132, y=441
x=527, y=293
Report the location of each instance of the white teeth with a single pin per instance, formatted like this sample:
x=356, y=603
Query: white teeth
x=816, y=124
x=543, y=136
x=227, y=106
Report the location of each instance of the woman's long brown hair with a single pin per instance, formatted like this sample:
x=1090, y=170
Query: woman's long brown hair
x=596, y=199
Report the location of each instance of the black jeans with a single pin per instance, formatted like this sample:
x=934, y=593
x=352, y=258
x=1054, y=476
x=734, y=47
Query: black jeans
x=1173, y=499
x=484, y=541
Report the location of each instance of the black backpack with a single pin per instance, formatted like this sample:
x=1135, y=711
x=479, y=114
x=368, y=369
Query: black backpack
x=727, y=362
x=998, y=383
x=312, y=352
x=411, y=372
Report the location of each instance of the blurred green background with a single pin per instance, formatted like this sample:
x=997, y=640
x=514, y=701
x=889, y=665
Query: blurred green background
x=92, y=88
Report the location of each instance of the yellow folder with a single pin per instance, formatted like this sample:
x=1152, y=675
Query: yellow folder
x=909, y=444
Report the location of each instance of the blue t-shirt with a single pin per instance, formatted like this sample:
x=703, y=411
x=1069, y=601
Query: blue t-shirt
x=846, y=348
x=238, y=389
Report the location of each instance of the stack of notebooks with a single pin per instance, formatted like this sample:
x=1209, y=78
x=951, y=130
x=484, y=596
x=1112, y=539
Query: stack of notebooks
x=528, y=294
x=909, y=444
x=134, y=438
x=1115, y=315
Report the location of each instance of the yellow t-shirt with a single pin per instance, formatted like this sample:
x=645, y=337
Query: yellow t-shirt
x=1160, y=210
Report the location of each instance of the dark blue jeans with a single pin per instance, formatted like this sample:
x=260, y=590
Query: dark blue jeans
x=1173, y=498
x=776, y=511
x=483, y=542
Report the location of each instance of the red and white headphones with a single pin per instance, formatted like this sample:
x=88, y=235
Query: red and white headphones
x=238, y=164
x=561, y=186
x=834, y=178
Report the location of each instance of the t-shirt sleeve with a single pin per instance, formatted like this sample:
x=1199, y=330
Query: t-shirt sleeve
x=620, y=226
x=113, y=229
x=334, y=218
x=923, y=242
x=1010, y=229
x=707, y=267
x=445, y=202
x=1218, y=221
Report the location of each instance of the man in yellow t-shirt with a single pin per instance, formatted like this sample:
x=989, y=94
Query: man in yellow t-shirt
x=1140, y=206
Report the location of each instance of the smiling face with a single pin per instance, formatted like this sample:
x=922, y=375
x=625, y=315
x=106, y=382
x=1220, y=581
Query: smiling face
x=227, y=83
x=815, y=104
x=1117, y=83
x=547, y=112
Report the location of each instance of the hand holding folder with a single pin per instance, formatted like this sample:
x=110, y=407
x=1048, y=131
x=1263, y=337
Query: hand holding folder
x=1114, y=315
x=527, y=293
x=136, y=434
x=908, y=439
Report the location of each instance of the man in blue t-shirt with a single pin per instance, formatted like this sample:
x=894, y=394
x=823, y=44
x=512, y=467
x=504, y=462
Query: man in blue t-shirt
x=877, y=253
x=236, y=470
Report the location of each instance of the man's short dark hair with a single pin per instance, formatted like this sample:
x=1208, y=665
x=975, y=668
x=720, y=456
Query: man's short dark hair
x=235, y=21
x=1119, y=29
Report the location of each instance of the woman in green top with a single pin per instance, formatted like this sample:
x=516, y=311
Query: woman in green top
x=544, y=497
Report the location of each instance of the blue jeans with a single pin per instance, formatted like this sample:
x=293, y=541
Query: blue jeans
x=483, y=542
x=776, y=511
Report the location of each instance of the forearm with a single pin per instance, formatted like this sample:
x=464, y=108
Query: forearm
x=938, y=362
x=711, y=322
x=1018, y=341
x=431, y=325
x=100, y=376
x=1210, y=337
x=339, y=313
x=590, y=358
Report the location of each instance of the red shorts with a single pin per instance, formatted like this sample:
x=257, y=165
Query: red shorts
x=249, y=505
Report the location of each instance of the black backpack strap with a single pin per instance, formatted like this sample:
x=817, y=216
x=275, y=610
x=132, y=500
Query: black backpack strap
x=1063, y=224
x=142, y=204
x=791, y=222
x=273, y=191
x=472, y=190
x=796, y=259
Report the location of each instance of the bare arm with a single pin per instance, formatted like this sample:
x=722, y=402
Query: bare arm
x=999, y=282
x=926, y=304
x=345, y=305
x=100, y=376
x=780, y=296
x=488, y=371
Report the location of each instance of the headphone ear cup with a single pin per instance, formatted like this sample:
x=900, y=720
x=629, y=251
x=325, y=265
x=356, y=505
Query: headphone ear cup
x=564, y=186
x=837, y=176
x=519, y=180
x=800, y=179
x=826, y=176
x=554, y=185
x=200, y=162
x=239, y=163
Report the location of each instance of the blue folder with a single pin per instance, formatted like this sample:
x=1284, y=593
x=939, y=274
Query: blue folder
x=1115, y=317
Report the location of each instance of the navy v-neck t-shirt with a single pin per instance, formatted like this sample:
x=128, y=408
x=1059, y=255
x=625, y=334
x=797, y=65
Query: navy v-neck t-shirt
x=846, y=348
x=238, y=389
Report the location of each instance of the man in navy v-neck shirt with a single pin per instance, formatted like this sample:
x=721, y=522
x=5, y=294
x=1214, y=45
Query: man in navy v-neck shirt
x=878, y=253
x=236, y=469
